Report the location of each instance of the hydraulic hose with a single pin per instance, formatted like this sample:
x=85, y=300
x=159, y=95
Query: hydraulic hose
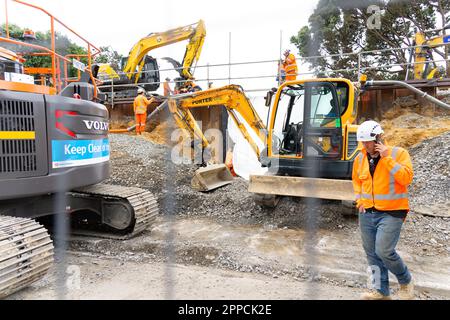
x=410, y=87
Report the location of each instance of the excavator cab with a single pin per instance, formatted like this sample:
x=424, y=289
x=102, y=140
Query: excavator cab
x=306, y=134
x=311, y=142
x=150, y=78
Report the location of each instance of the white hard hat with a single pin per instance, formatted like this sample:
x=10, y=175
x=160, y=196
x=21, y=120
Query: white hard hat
x=368, y=131
x=140, y=90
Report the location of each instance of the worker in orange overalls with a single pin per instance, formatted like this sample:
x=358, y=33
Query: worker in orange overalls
x=167, y=90
x=140, y=110
x=290, y=65
x=381, y=175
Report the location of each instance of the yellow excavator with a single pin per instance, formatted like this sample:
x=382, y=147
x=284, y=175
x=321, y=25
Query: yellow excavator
x=142, y=70
x=309, y=140
x=310, y=137
x=425, y=67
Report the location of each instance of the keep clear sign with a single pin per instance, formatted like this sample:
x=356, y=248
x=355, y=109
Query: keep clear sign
x=78, y=64
x=73, y=153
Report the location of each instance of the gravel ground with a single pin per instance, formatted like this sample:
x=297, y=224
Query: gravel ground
x=431, y=186
x=145, y=166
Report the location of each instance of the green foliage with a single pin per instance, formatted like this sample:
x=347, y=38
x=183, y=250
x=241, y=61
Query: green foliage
x=63, y=46
x=110, y=56
x=341, y=26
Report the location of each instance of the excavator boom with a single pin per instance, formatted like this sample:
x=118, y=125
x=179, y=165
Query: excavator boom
x=232, y=98
x=195, y=33
x=424, y=65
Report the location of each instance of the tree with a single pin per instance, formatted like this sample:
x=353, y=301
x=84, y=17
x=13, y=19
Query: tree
x=110, y=56
x=63, y=46
x=337, y=27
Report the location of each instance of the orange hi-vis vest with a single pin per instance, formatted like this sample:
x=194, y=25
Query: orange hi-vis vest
x=388, y=189
x=167, y=89
x=290, y=66
x=140, y=104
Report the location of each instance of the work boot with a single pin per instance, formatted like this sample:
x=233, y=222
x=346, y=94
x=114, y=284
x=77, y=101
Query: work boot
x=406, y=291
x=374, y=295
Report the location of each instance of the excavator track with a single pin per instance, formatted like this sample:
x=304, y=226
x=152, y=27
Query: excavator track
x=26, y=253
x=144, y=206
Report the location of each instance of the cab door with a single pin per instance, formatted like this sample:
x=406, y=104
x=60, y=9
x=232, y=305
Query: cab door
x=322, y=125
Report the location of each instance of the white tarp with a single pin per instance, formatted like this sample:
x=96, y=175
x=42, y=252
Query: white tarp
x=245, y=161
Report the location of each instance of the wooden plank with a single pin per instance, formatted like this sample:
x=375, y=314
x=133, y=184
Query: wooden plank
x=302, y=187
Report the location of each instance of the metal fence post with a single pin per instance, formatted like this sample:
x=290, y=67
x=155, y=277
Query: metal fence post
x=207, y=75
x=359, y=66
x=229, y=58
x=112, y=93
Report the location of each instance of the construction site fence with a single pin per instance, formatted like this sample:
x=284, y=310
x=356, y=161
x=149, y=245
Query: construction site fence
x=363, y=66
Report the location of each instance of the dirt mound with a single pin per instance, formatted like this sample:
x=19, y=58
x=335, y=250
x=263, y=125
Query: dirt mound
x=409, y=123
x=161, y=133
x=122, y=124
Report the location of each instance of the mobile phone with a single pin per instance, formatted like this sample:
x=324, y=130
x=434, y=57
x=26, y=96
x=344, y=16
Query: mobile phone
x=378, y=140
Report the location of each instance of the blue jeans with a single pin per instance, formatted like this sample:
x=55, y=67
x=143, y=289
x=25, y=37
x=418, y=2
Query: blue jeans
x=380, y=233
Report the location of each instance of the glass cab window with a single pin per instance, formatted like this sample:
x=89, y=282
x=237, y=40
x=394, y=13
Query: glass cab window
x=308, y=120
x=286, y=134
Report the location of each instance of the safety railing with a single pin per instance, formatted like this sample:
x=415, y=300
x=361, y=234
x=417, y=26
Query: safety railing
x=57, y=81
x=362, y=65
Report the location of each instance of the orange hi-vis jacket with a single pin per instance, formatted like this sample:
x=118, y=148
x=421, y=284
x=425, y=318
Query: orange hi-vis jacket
x=290, y=66
x=140, y=104
x=167, y=89
x=387, y=190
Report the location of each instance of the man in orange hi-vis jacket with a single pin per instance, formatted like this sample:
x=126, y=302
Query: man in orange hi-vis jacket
x=167, y=90
x=290, y=65
x=381, y=175
x=140, y=110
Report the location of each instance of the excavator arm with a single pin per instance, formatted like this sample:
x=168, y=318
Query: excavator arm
x=232, y=98
x=193, y=49
x=423, y=56
x=195, y=33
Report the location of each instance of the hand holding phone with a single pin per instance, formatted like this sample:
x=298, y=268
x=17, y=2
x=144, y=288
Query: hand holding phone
x=381, y=148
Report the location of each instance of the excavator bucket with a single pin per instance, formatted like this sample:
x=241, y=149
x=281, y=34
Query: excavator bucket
x=211, y=177
x=333, y=189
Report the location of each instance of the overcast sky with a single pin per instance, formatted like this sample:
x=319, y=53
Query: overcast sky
x=255, y=28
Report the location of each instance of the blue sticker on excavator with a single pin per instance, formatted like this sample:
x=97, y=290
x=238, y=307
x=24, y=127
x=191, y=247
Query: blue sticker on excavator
x=73, y=153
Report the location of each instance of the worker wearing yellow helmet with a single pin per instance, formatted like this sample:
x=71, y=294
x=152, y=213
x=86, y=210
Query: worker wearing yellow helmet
x=381, y=175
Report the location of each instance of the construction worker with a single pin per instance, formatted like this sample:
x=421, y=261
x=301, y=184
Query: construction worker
x=192, y=86
x=381, y=175
x=290, y=65
x=140, y=110
x=167, y=90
